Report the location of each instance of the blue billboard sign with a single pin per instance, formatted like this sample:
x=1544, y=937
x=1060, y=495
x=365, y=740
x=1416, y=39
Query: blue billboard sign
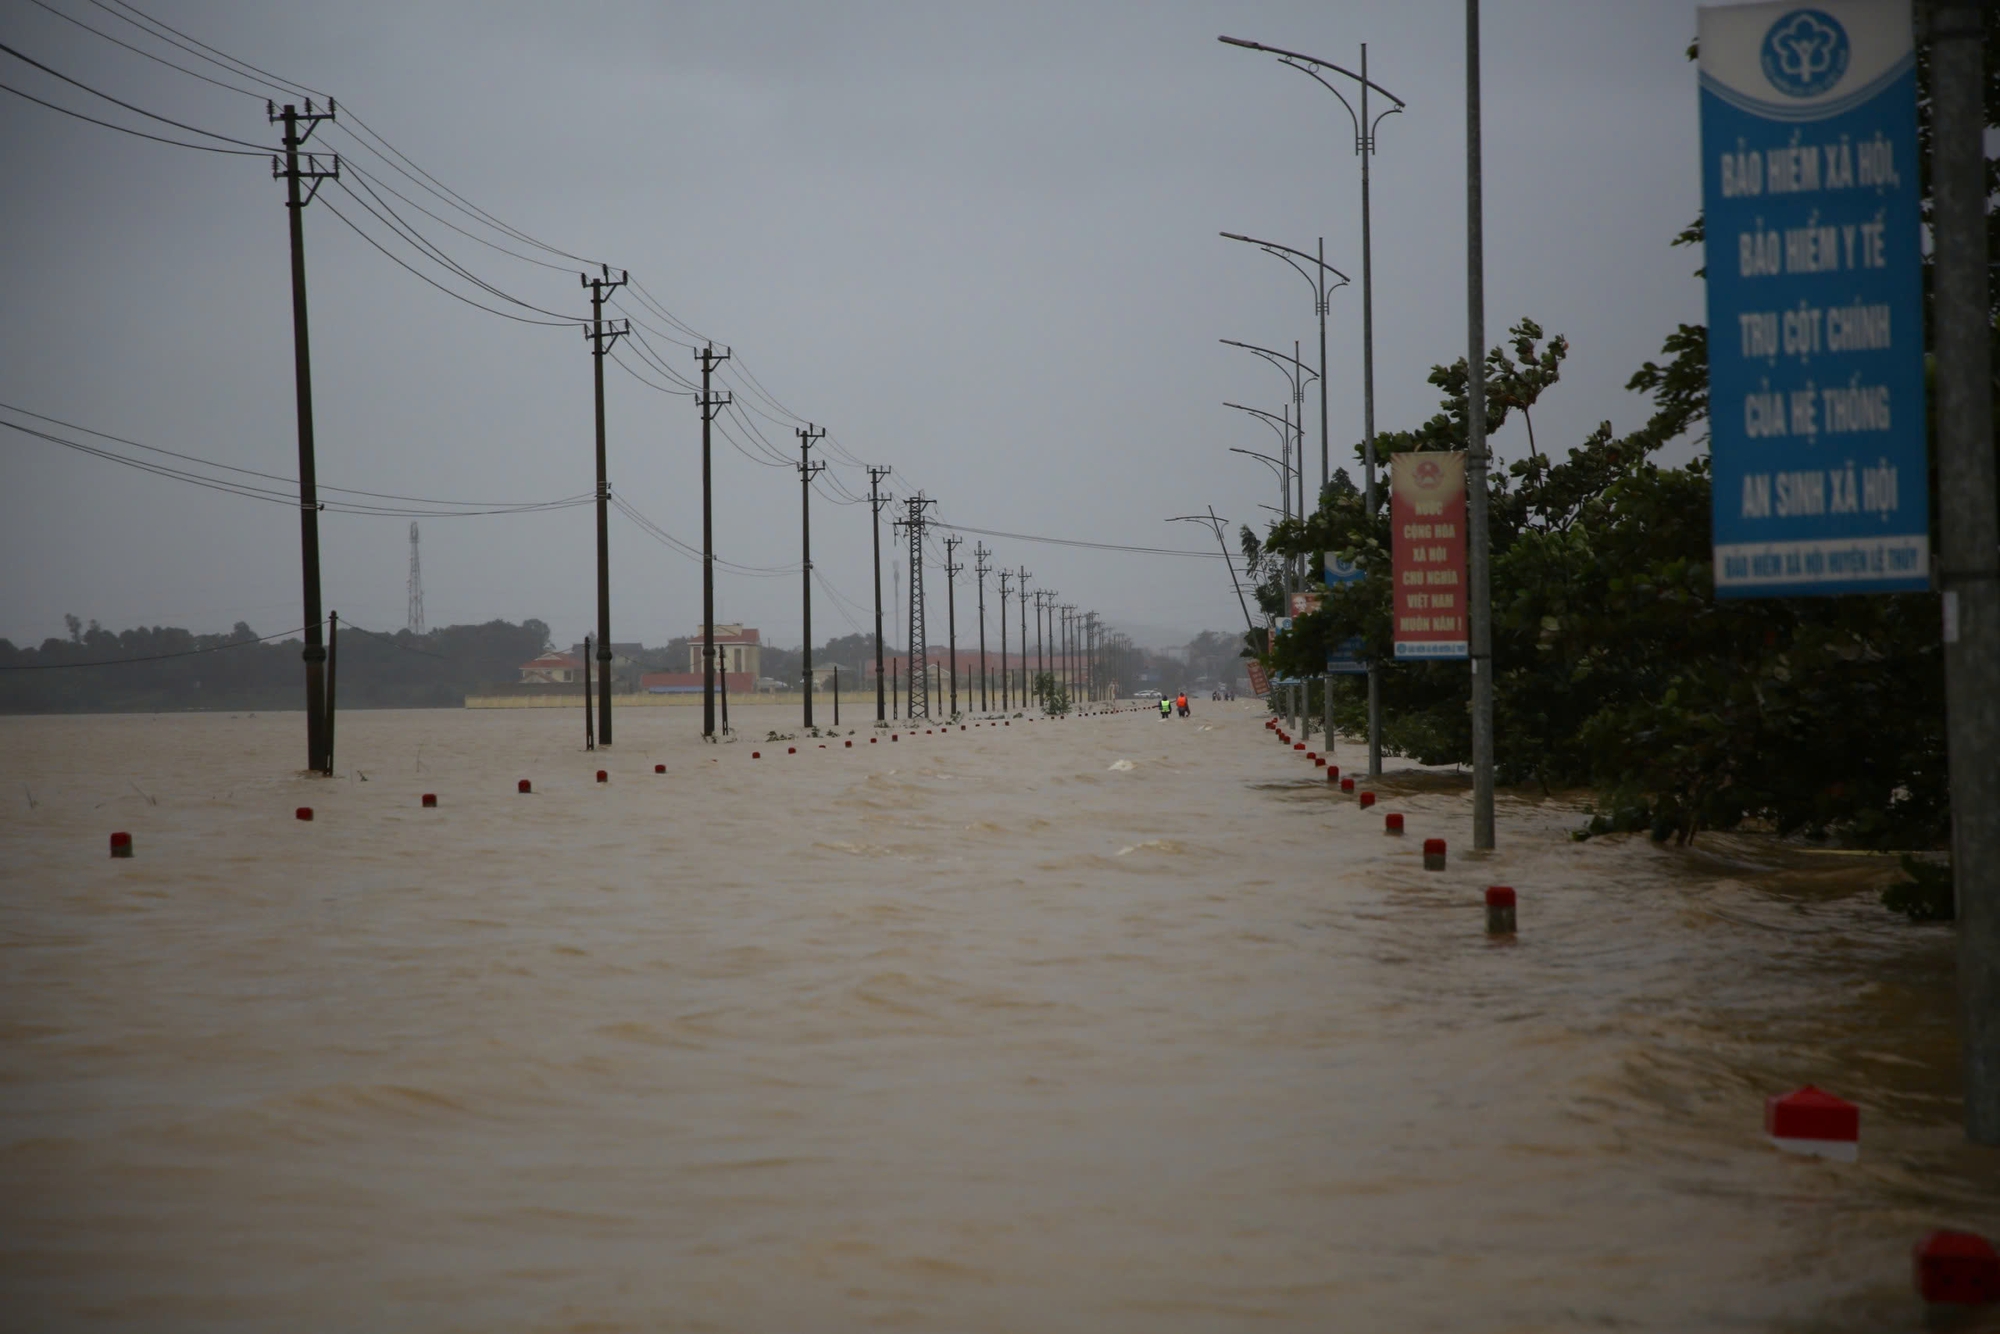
x=1815, y=306
x=1344, y=658
x=1337, y=571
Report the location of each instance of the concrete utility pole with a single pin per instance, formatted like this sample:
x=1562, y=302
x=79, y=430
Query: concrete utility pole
x=980, y=569
x=807, y=471
x=1006, y=683
x=1969, y=540
x=951, y=573
x=319, y=745
x=1021, y=595
x=710, y=404
x=875, y=501
x=601, y=340
x=1478, y=554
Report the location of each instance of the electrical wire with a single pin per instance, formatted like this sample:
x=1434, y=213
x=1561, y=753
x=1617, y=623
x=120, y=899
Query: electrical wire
x=751, y=390
x=146, y=23
x=1078, y=542
x=620, y=362
x=446, y=222
x=442, y=509
x=693, y=552
x=193, y=74
x=396, y=223
x=155, y=657
x=149, y=115
x=139, y=134
x=503, y=314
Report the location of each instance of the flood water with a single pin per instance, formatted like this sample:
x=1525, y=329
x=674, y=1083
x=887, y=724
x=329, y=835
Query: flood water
x=1102, y=1025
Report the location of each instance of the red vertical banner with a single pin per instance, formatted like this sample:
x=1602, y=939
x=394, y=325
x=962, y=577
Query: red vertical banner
x=1427, y=515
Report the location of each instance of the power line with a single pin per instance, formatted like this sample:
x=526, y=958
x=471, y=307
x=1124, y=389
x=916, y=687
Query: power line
x=251, y=491
x=155, y=657
x=503, y=314
x=138, y=134
x=193, y=74
x=401, y=226
x=150, y=115
x=1078, y=542
x=241, y=68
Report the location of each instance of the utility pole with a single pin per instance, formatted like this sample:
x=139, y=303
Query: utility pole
x=1969, y=542
x=1021, y=577
x=601, y=341
x=1069, y=648
x=416, y=614
x=1478, y=556
x=875, y=476
x=1044, y=599
x=920, y=664
x=1090, y=654
x=1006, y=684
x=710, y=404
x=980, y=570
x=807, y=471
x=589, y=736
x=951, y=573
x=319, y=745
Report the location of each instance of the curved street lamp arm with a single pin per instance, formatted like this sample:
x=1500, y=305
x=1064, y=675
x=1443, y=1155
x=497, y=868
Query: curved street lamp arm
x=1282, y=362
x=1271, y=419
x=1310, y=60
x=1274, y=247
x=1283, y=471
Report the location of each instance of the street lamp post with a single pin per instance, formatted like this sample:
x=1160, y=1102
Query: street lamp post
x=1216, y=523
x=1323, y=291
x=1364, y=147
x=1282, y=467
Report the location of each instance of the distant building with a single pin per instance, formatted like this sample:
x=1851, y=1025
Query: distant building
x=737, y=651
x=552, y=669
x=622, y=655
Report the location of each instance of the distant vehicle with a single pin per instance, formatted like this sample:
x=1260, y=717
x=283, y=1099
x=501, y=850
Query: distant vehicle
x=1147, y=694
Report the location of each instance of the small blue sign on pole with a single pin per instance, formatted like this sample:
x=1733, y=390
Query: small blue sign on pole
x=1345, y=658
x=1815, y=304
x=1337, y=571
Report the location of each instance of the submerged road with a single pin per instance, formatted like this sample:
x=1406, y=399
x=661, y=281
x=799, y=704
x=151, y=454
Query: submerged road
x=1101, y=1025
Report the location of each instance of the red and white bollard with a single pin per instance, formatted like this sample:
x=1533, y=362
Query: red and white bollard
x=1499, y=910
x=1813, y=1121
x=603, y=777
x=1367, y=800
x=1346, y=787
x=121, y=844
x=1956, y=1269
x=659, y=768
x=1433, y=854
x=524, y=786
x=1392, y=824
x=430, y=800
x=303, y=813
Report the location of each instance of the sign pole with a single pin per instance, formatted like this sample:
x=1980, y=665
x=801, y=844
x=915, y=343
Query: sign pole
x=1478, y=554
x=1969, y=535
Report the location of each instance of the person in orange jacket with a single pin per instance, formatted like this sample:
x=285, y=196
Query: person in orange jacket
x=1182, y=704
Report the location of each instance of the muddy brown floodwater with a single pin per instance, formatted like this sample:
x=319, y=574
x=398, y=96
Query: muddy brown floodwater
x=1099, y=1025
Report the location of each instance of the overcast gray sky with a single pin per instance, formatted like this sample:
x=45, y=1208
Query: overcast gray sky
x=975, y=241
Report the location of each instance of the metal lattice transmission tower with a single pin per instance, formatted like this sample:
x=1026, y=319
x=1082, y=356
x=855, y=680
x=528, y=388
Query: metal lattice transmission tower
x=918, y=700
x=416, y=585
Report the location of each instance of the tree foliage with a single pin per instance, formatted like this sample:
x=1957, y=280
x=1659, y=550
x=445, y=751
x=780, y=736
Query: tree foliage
x=1615, y=664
